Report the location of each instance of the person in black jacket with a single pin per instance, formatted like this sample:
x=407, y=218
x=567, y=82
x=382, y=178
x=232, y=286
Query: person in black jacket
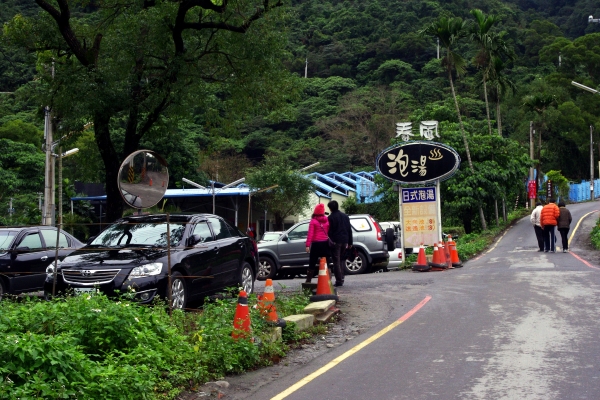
x=340, y=231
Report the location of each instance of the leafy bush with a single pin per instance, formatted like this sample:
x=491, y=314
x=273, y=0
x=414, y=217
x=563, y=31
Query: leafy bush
x=93, y=347
x=595, y=235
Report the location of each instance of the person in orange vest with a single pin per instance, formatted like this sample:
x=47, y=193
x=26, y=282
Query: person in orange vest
x=548, y=221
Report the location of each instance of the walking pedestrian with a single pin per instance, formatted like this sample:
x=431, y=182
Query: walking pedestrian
x=564, y=224
x=535, y=220
x=548, y=220
x=317, y=241
x=340, y=231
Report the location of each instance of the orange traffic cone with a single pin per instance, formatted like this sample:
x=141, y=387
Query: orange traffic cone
x=456, y=263
x=447, y=255
x=421, y=264
x=324, y=291
x=267, y=305
x=437, y=262
x=241, y=320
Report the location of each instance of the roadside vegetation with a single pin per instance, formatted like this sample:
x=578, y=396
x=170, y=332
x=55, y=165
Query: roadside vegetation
x=595, y=235
x=93, y=347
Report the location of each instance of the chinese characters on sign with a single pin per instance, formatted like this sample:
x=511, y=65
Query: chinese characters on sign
x=428, y=130
x=418, y=162
x=532, y=189
x=549, y=189
x=420, y=216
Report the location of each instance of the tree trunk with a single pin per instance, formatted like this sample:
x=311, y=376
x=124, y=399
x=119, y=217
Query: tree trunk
x=504, y=209
x=487, y=105
x=114, y=203
x=466, y=144
x=498, y=118
x=496, y=210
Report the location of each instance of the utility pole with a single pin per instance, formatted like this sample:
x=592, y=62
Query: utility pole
x=48, y=214
x=438, y=48
x=591, y=164
x=531, y=177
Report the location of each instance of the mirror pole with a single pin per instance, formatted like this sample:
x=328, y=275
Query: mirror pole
x=212, y=186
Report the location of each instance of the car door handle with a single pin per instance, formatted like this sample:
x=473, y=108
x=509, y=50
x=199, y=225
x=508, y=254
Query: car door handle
x=44, y=258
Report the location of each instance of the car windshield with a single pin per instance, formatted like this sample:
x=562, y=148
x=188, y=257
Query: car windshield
x=270, y=236
x=6, y=238
x=150, y=234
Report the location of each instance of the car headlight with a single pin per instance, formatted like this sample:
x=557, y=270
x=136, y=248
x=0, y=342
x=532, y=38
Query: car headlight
x=146, y=270
x=50, y=269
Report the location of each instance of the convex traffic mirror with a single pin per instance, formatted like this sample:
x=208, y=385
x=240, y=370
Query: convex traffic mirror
x=143, y=179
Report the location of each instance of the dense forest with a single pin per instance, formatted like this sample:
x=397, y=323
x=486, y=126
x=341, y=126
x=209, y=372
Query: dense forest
x=315, y=81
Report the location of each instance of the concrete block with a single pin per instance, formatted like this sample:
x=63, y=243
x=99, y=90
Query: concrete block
x=309, y=286
x=274, y=335
x=302, y=321
x=319, y=307
x=327, y=315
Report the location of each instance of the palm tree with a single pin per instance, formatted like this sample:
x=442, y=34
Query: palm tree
x=449, y=31
x=500, y=85
x=491, y=46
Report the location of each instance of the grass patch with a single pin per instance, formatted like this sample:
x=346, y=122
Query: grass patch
x=93, y=347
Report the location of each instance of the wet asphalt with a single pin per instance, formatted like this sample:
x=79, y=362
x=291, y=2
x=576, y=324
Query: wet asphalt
x=513, y=323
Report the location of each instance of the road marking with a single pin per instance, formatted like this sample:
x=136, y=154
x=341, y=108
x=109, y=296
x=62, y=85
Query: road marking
x=583, y=261
x=350, y=352
x=577, y=226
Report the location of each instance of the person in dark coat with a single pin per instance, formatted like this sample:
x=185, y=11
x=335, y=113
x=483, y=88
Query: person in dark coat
x=564, y=223
x=340, y=231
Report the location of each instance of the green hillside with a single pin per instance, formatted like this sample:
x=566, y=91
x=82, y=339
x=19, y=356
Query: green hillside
x=367, y=65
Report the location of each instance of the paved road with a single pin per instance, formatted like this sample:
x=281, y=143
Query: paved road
x=512, y=324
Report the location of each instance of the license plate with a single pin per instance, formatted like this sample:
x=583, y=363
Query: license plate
x=84, y=290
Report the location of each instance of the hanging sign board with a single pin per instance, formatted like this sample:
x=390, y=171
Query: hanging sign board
x=420, y=216
x=418, y=162
x=532, y=189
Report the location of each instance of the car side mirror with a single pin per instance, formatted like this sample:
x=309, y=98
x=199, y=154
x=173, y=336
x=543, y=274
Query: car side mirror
x=91, y=239
x=194, y=240
x=284, y=238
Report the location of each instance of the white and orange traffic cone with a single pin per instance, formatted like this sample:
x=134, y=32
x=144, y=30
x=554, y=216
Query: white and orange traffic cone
x=421, y=265
x=241, y=320
x=267, y=305
x=323, y=284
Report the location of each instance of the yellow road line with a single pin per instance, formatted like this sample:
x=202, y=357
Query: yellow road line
x=498, y=241
x=350, y=352
x=577, y=226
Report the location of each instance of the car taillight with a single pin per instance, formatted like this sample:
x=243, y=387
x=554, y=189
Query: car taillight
x=377, y=228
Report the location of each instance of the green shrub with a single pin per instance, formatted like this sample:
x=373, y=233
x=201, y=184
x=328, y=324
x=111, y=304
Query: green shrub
x=92, y=347
x=595, y=235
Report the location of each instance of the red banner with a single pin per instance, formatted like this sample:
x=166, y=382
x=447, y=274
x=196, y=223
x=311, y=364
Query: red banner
x=532, y=189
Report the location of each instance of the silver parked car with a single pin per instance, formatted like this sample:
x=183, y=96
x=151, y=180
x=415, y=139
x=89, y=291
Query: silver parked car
x=287, y=256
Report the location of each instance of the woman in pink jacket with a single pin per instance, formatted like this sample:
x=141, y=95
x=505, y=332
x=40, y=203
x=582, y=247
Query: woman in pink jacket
x=317, y=241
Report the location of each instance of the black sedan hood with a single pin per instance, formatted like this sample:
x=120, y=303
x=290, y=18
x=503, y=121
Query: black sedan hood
x=90, y=256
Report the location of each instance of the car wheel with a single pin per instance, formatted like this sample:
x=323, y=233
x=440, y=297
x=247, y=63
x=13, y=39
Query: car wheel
x=179, y=293
x=266, y=268
x=356, y=264
x=390, y=240
x=247, y=278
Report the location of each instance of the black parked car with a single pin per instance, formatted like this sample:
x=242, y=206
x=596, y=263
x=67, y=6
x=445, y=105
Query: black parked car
x=207, y=255
x=26, y=252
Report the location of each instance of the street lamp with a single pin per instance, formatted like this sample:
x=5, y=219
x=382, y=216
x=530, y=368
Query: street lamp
x=594, y=91
x=592, y=19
